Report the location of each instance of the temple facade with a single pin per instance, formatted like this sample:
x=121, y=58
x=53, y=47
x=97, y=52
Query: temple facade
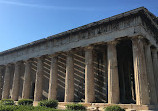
x=111, y=61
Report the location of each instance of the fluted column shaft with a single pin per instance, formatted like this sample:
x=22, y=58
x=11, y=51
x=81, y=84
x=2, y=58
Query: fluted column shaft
x=27, y=80
x=150, y=75
x=69, y=79
x=16, y=82
x=1, y=68
x=155, y=67
x=39, y=80
x=6, y=85
x=113, y=80
x=89, y=76
x=141, y=82
x=53, y=78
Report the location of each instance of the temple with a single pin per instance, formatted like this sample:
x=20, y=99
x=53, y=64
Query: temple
x=111, y=61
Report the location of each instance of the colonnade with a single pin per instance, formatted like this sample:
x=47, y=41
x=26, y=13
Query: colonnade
x=145, y=74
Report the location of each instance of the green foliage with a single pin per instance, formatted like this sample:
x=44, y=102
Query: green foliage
x=77, y=107
x=26, y=108
x=48, y=103
x=114, y=108
x=7, y=102
x=42, y=108
x=31, y=108
x=25, y=102
x=7, y=108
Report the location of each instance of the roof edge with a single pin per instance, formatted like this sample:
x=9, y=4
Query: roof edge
x=112, y=18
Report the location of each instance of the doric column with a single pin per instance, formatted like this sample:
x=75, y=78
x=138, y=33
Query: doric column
x=1, y=68
x=89, y=75
x=155, y=67
x=141, y=83
x=27, y=80
x=6, y=85
x=53, y=78
x=39, y=80
x=113, y=80
x=16, y=82
x=69, y=79
x=150, y=74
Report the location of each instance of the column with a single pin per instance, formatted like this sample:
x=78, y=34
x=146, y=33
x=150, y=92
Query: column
x=89, y=75
x=1, y=68
x=150, y=75
x=69, y=79
x=27, y=80
x=53, y=78
x=6, y=85
x=155, y=67
x=141, y=83
x=113, y=79
x=39, y=80
x=16, y=82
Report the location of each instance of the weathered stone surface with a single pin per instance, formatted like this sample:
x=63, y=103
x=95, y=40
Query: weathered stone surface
x=93, y=33
x=53, y=83
x=69, y=79
x=89, y=75
x=6, y=86
x=113, y=80
x=27, y=80
x=1, y=81
x=141, y=82
x=82, y=75
x=39, y=80
x=16, y=82
x=150, y=75
x=155, y=67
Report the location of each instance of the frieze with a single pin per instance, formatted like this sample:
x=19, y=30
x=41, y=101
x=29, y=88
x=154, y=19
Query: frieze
x=105, y=30
x=102, y=29
x=93, y=32
x=90, y=33
x=148, y=28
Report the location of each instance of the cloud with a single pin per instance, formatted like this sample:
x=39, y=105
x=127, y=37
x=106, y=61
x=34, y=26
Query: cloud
x=47, y=7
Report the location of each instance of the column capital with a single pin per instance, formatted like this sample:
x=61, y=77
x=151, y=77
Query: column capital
x=28, y=61
x=1, y=67
x=115, y=42
x=154, y=50
x=40, y=58
x=18, y=62
x=70, y=52
x=137, y=38
x=73, y=50
x=146, y=42
x=88, y=48
x=9, y=65
x=54, y=55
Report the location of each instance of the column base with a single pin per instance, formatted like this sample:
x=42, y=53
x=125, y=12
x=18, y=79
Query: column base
x=101, y=106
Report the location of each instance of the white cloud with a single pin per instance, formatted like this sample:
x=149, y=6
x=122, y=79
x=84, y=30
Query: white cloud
x=46, y=7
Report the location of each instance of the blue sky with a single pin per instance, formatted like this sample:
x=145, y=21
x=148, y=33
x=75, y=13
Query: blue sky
x=24, y=21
